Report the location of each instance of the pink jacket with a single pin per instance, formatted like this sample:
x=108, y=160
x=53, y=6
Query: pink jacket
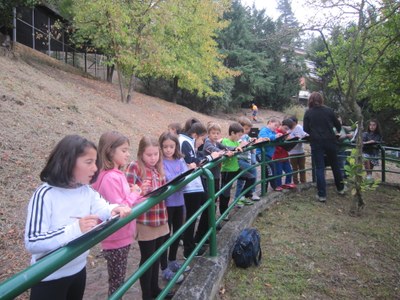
x=113, y=186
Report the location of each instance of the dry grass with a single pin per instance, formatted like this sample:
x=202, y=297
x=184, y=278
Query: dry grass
x=41, y=101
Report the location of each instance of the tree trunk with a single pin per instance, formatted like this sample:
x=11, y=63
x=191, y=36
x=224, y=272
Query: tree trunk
x=121, y=83
x=131, y=88
x=358, y=202
x=174, y=89
x=110, y=73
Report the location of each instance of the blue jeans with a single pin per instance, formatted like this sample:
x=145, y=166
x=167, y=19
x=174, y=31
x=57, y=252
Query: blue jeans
x=318, y=150
x=249, y=174
x=284, y=166
x=342, y=157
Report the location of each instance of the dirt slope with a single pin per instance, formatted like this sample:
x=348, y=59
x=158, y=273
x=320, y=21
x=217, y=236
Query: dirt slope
x=41, y=100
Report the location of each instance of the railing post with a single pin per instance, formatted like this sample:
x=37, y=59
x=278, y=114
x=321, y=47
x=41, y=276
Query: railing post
x=14, y=25
x=383, y=160
x=264, y=183
x=211, y=211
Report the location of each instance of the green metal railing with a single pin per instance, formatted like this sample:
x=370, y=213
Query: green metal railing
x=24, y=280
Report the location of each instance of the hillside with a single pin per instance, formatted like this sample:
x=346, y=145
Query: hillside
x=41, y=100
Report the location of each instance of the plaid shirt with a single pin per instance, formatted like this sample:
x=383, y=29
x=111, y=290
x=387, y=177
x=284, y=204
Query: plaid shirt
x=157, y=215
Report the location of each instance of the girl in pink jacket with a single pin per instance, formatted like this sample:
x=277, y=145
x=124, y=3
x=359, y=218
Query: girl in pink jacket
x=111, y=183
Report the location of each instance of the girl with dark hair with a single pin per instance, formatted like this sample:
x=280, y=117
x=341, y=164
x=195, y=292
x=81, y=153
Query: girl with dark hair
x=194, y=195
x=62, y=209
x=113, y=186
x=371, y=152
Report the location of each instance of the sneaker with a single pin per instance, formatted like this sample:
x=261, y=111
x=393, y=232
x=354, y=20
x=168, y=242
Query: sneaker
x=255, y=197
x=343, y=191
x=321, y=199
x=240, y=203
x=167, y=275
x=248, y=202
x=174, y=266
x=289, y=186
x=198, y=254
x=278, y=189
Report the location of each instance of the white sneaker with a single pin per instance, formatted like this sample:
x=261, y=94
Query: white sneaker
x=343, y=191
x=255, y=197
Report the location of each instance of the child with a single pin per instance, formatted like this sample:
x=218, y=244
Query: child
x=283, y=165
x=175, y=128
x=245, y=161
x=194, y=195
x=174, y=165
x=62, y=209
x=298, y=163
x=152, y=226
x=212, y=144
x=254, y=110
x=268, y=134
x=370, y=153
x=113, y=186
x=230, y=167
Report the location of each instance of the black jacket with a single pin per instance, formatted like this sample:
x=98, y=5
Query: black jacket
x=319, y=122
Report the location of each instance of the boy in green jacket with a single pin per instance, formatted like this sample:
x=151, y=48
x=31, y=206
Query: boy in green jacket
x=230, y=167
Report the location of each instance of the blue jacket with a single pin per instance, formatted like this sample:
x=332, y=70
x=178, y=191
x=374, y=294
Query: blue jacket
x=265, y=132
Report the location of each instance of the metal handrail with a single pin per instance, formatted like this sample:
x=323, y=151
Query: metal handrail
x=25, y=279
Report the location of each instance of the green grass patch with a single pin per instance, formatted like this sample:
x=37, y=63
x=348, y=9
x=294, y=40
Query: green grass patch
x=318, y=251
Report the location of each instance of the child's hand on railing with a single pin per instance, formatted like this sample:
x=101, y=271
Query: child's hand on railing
x=192, y=166
x=217, y=154
x=229, y=153
x=260, y=140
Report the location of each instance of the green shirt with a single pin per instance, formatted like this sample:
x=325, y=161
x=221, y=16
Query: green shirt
x=231, y=164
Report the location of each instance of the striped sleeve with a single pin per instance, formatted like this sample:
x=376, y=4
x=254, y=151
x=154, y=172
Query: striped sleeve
x=38, y=236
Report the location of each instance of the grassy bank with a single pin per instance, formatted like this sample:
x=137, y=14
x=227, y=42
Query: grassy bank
x=318, y=251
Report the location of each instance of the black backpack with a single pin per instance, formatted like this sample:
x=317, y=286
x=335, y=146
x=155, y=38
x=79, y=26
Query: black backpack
x=247, y=249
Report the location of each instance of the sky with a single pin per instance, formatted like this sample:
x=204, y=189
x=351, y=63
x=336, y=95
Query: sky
x=299, y=11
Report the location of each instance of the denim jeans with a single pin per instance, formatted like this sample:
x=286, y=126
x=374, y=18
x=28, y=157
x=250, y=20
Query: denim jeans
x=318, y=150
x=284, y=166
x=249, y=174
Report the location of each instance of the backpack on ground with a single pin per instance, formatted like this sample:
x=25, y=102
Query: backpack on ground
x=247, y=249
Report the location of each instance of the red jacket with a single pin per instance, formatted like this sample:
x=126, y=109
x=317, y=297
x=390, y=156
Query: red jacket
x=279, y=151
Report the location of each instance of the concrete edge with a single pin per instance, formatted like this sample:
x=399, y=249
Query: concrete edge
x=207, y=272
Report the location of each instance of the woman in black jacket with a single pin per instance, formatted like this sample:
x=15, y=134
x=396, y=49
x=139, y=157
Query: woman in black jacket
x=319, y=121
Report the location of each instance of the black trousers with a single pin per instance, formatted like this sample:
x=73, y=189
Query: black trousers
x=66, y=288
x=225, y=196
x=175, y=221
x=149, y=280
x=193, y=201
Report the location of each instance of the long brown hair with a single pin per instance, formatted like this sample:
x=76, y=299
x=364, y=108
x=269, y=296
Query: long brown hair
x=173, y=137
x=145, y=142
x=315, y=100
x=108, y=142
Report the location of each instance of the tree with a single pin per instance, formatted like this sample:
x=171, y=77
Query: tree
x=354, y=57
x=117, y=29
x=6, y=11
x=184, y=33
